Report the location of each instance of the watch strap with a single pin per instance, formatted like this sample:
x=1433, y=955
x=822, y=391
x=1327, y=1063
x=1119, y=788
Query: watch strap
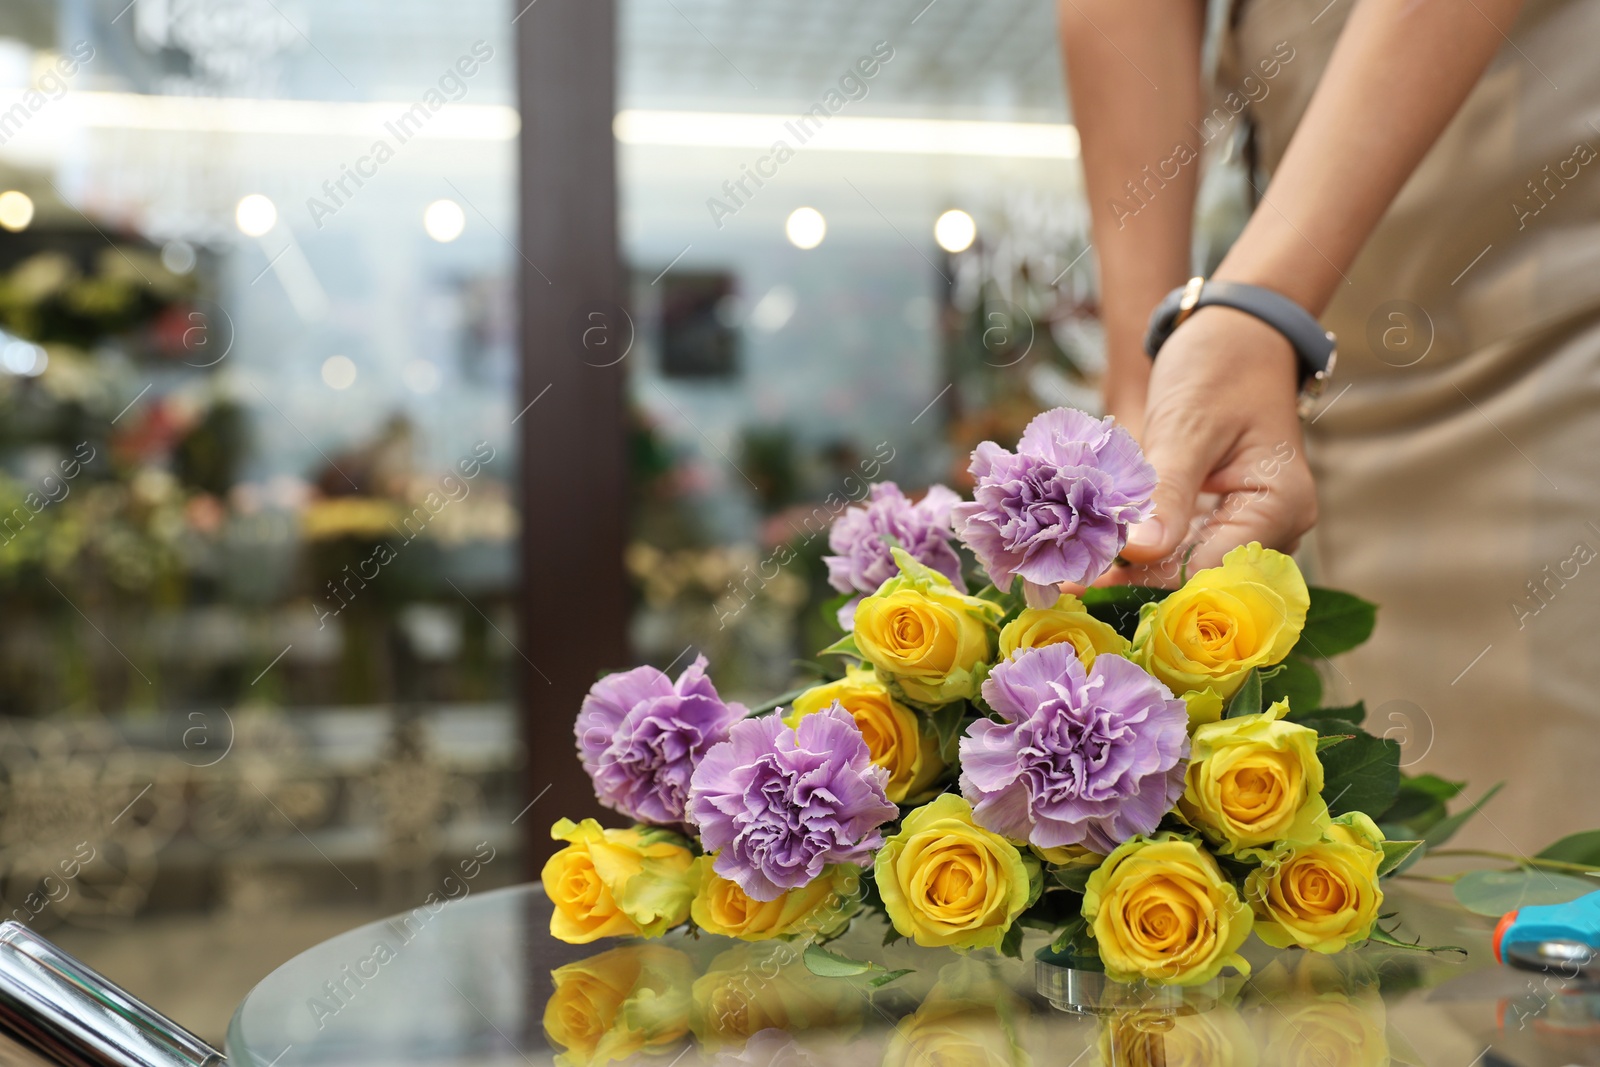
x=1313, y=346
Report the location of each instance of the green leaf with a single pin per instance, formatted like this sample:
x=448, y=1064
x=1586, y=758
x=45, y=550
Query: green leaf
x=1336, y=622
x=779, y=701
x=1432, y=785
x=825, y=964
x=1119, y=605
x=1327, y=741
x=1396, y=853
x=1293, y=680
x=946, y=721
x=1363, y=774
x=884, y=979
x=1247, y=701
x=845, y=646
x=1332, y=727
x=830, y=611
x=1494, y=893
x=1384, y=937
x=1576, y=848
x=1420, y=804
x=1073, y=878
x=1011, y=943
x=1069, y=934
x=1445, y=829
x=1352, y=713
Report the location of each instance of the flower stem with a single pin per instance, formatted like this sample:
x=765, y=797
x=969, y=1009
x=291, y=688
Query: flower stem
x=1520, y=861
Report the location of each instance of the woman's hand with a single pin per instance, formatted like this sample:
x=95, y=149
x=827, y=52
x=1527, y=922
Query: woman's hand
x=1222, y=431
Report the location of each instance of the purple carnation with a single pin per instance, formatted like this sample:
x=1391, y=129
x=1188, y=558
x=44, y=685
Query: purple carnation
x=777, y=804
x=863, y=536
x=1058, y=509
x=1081, y=759
x=640, y=738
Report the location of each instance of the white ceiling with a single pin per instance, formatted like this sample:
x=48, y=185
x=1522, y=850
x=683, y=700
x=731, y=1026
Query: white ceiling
x=994, y=59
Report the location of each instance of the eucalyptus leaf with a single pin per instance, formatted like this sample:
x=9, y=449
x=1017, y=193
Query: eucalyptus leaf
x=1247, y=701
x=825, y=964
x=1335, y=622
x=1494, y=893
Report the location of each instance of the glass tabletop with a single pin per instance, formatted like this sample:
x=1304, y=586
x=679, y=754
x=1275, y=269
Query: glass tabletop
x=479, y=980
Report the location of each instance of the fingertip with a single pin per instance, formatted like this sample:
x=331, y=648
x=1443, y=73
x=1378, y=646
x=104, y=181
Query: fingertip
x=1147, y=542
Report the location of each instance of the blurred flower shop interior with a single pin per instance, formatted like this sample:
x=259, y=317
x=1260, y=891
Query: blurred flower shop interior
x=317, y=415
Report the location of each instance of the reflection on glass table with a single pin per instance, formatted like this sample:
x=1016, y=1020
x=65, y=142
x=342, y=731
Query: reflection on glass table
x=480, y=980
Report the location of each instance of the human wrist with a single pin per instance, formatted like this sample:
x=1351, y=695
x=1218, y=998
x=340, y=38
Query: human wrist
x=1280, y=271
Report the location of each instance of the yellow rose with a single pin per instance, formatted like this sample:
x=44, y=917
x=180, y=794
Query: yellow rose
x=1224, y=621
x=751, y=988
x=1149, y=1037
x=893, y=732
x=948, y=882
x=1333, y=1030
x=609, y=1007
x=931, y=639
x=1161, y=909
x=818, y=908
x=966, y=1033
x=616, y=883
x=1069, y=856
x=1324, y=896
x=969, y=1018
x=1254, y=784
x=1068, y=622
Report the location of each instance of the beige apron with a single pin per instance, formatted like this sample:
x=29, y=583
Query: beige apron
x=1457, y=451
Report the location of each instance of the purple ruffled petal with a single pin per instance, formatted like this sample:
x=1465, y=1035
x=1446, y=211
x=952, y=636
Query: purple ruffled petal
x=640, y=738
x=778, y=804
x=862, y=537
x=1082, y=758
x=1058, y=509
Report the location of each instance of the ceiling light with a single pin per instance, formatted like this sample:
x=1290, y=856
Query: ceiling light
x=955, y=231
x=805, y=227
x=16, y=210
x=255, y=215
x=444, y=220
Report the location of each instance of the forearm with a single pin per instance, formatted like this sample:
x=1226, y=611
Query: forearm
x=1133, y=69
x=1397, y=76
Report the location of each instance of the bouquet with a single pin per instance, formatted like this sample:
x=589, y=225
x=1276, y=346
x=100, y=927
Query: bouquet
x=1148, y=777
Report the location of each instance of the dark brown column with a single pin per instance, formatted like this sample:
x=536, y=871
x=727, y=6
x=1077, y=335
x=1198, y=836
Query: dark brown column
x=575, y=339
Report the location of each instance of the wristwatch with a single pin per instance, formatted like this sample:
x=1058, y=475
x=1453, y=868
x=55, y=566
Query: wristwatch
x=1314, y=347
